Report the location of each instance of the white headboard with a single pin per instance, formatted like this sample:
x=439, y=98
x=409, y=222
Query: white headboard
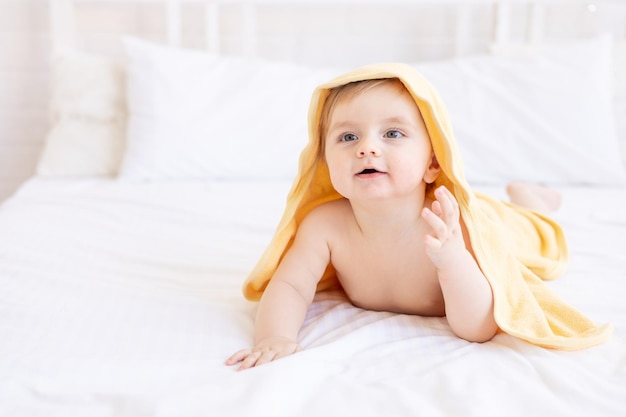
x=432, y=29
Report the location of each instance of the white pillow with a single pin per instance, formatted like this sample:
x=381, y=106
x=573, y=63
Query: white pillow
x=88, y=117
x=196, y=115
x=619, y=92
x=544, y=116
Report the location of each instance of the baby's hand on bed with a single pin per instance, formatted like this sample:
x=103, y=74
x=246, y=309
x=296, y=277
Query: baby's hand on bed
x=265, y=351
x=445, y=243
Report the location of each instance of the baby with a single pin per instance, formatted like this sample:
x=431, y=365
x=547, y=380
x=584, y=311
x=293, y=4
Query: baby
x=381, y=209
x=395, y=239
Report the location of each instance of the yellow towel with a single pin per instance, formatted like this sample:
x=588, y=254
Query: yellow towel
x=516, y=248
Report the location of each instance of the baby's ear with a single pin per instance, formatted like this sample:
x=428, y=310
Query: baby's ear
x=433, y=170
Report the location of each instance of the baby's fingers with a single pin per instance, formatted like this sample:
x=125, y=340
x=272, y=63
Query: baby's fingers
x=432, y=244
x=266, y=357
x=435, y=221
x=264, y=352
x=251, y=360
x=238, y=356
x=447, y=204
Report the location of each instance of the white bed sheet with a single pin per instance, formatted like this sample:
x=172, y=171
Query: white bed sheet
x=123, y=299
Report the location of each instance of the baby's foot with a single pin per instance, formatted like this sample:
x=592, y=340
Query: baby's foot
x=534, y=196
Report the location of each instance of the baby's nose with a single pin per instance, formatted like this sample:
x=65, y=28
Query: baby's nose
x=367, y=147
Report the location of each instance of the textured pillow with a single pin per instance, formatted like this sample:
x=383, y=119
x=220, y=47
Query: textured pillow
x=196, y=115
x=543, y=115
x=88, y=117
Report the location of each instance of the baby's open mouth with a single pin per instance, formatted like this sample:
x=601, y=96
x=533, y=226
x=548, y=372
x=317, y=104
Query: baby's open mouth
x=368, y=171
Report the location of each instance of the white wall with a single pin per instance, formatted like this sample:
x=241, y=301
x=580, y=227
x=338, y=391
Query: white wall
x=306, y=35
x=24, y=88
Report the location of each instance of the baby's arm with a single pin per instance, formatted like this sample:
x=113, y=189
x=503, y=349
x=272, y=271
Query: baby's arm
x=467, y=294
x=286, y=299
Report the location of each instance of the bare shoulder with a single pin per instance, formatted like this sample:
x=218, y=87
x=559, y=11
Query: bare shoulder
x=330, y=213
x=325, y=220
x=310, y=251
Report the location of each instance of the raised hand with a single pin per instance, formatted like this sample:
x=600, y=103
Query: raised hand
x=445, y=244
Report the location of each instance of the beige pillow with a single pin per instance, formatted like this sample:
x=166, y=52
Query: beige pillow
x=88, y=117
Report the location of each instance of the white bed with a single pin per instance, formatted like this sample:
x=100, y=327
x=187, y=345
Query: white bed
x=121, y=264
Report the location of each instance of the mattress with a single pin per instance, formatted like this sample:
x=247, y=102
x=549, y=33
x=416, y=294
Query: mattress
x=120, y=298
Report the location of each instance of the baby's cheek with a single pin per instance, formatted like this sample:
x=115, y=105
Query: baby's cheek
x=337, y=182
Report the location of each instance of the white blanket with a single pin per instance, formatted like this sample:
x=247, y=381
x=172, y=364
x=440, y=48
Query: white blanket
x=122, y=299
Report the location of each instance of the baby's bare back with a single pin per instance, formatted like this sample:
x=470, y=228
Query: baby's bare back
x=384, y=272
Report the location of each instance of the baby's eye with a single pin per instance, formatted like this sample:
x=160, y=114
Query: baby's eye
x=348, y=137
x=393, y=134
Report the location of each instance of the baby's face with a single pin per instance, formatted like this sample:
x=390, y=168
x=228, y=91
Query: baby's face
x=377, y=146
